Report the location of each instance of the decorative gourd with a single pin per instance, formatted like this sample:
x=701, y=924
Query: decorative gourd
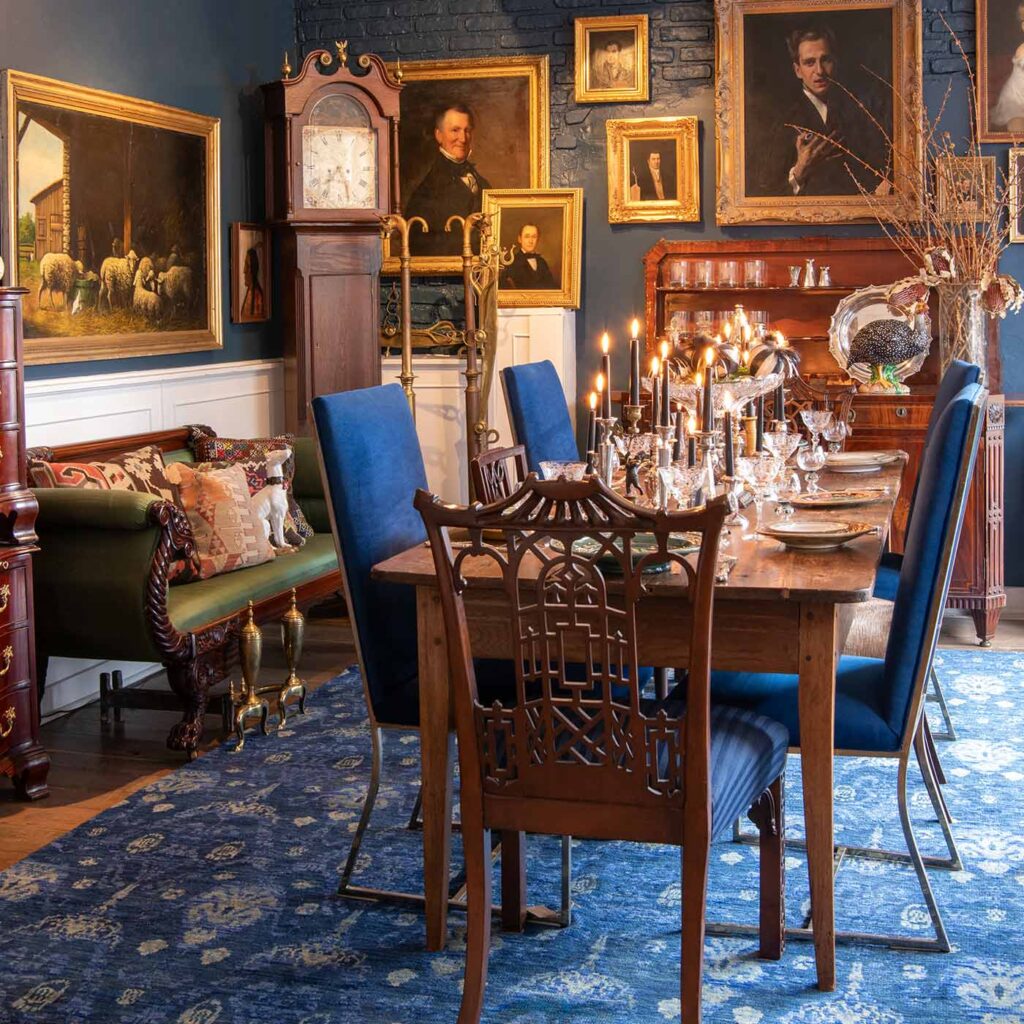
x=690, y=354
x=774, y=355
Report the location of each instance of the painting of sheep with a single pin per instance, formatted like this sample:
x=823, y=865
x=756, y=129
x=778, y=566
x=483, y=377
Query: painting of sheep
x=113, y=223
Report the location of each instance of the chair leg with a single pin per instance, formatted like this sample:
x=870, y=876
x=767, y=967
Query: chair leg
x=477, y=843
x=104, y=699
x=768, y=813
x=566, y=914
x=939, y=698
x=695, y=888
x=376, y=740
x=117, y=682
x=938, y=801
x=513, y=881
x=933, y=753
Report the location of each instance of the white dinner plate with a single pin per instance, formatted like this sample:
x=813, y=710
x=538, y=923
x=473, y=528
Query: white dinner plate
x=839, y=498
x=816, y=534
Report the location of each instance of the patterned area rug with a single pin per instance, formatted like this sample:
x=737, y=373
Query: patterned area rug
x=208, y=898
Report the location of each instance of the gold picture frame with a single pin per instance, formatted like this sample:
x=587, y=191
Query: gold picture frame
x=641, y=155
x=965, y=188
x=756, y=103
x=87, y=147
x=1015, y=174
x=509, y=99
x=538, y=216
x=604, y=75
x=998, y=34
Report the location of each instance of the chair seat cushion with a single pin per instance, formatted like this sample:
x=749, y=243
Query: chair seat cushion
x=887, y=581
x=748, y=753
x=860, y=701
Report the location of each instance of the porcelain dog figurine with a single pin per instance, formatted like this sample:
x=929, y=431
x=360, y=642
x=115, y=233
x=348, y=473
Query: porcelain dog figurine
x=271, y=503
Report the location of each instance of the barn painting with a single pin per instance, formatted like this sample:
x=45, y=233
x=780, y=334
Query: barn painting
x=113, y=222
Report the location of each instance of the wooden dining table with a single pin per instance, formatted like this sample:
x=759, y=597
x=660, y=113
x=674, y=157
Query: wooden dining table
x=778, y=610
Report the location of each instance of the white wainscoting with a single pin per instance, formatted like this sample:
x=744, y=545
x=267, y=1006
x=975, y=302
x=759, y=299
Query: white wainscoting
x=241, y=399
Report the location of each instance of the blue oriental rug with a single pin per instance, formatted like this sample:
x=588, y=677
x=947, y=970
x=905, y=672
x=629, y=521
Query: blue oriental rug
x=208, y=898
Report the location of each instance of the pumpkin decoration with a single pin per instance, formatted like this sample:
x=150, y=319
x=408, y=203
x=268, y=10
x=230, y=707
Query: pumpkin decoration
x=774, y=355
x=883, y=345
x=690, y=354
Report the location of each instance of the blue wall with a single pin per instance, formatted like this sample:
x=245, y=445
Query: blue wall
x=207, y=56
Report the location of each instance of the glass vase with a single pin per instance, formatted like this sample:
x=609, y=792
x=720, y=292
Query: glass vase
x=962, y=333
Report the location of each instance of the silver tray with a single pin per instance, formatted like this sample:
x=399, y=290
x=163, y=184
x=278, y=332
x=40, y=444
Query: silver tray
x=855, y=311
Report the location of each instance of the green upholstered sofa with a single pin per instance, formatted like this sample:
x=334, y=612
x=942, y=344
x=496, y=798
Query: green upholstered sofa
x=101, y=578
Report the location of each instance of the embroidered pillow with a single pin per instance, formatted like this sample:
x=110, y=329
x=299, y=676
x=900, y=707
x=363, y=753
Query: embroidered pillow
x=227, y=531
x=142, y=470
x=251, y=454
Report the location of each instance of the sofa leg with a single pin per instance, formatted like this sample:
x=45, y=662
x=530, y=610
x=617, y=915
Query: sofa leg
x=104, y=700
x=191, y=682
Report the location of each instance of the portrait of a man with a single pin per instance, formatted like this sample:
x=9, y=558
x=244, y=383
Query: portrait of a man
x=529, y=270
x=652, y=170
x=612, y=60
x=467, y=126
x=823, y=139
x=1001, y=69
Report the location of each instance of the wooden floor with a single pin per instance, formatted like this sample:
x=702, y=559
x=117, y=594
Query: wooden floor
x=92, y=769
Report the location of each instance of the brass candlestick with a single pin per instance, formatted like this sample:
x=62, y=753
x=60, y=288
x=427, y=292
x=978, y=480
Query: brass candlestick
x=293, y=632
x=248, y=704
x=632, y=414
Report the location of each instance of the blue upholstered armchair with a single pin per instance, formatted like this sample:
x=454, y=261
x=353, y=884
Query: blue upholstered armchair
x=538, y=413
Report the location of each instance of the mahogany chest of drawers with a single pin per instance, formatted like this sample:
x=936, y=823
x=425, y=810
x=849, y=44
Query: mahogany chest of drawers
x=21, y=755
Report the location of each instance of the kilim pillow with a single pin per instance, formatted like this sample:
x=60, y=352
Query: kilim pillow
x=228, y=533
x=251, y=454
x=142, y=470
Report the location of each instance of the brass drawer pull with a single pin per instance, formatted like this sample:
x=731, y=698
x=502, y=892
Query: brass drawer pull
x=901, y=411
x=5, y=597
x=8, y=658
x=7, y=724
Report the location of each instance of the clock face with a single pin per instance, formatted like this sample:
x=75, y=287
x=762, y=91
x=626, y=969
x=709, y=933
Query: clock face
x=339, y=168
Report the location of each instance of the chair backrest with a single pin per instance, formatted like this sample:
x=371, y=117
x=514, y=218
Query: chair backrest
x=372, y=467
x=579, y=730
x=538, y=413
x=957, y=376
x=945, y=479
x=498, y=472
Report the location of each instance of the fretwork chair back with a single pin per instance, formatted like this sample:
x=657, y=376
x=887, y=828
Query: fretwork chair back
x=880, y=702
x=372, y=467
x=538, y=413
x=590, y=757
x=497, y=472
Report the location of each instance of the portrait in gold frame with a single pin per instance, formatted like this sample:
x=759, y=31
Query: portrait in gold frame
x=509, y=148
x=543, y=227
x=612, y=59
x=653, y=170
x=756, y=91
x=965, y=188
x=1014, y=174
x=99, y=155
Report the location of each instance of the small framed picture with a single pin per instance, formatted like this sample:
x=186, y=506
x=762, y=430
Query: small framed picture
x=653, y=170
x=540, y=234
x=965, y=187
x=611, y=59
x=1015, y=176
x=250, y=273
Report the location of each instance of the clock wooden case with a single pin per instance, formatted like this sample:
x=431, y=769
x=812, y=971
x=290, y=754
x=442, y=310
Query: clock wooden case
x=331, y=152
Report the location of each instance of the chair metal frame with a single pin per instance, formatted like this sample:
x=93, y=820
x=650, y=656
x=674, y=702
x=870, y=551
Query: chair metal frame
x=456, y=901
x=914, y=741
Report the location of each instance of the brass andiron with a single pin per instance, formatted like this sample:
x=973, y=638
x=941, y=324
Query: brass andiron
x=293, y=632
x=389, y=224
x=248, y=704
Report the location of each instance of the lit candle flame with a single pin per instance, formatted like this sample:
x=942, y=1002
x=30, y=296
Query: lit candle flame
x=593, y=400
x=634, y=328
x=742, y=318
x=727, y=330
x=697, y=379
x=600, y=383
x=655, y=366
x=746, y=357
x=691, y=424
x=664, y=350
x=727, y=402
x=746, y=334
x=780, y=339
x=605, y=342
x=709, y=355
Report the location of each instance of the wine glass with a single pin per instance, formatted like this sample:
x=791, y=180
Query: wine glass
x=682, y=482
x=782, y=443
x=816, y=420
x=758, y=472
x=835, y=434
x=811, y=459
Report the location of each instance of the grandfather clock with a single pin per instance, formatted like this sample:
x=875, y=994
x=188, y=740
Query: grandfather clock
x=331, y=158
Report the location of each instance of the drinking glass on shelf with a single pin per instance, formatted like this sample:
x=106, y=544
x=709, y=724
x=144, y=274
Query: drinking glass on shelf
x=811, y=460
x=704, y=321
x=678, y=273
x=816, y=420
x=703, y=274
x=728, y=274
x=753, y=273
x=758, y=318
x=835, y=434
x=681, y=322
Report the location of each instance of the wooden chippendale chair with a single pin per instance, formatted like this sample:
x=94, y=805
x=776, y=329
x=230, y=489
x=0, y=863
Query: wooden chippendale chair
x=588, y=754
x=498, y=472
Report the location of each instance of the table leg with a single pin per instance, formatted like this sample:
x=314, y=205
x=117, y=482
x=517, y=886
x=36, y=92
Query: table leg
x=436, y=753
x=817, y=729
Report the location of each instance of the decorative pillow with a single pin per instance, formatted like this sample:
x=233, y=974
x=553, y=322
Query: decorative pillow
x=142, y=470
x=227, y=532
x=251, y=454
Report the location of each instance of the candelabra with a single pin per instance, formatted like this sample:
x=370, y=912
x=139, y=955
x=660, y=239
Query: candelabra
x=632, y=415
x=707, y=441
x=607, y=461
x=248, y=704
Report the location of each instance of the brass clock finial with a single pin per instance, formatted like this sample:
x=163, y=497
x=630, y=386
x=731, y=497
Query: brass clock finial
x=399, y=73
x=286, y=67
x=341, y=45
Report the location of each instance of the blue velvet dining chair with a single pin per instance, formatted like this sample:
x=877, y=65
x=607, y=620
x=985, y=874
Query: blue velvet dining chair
x=372, y=466
x=538, y=413
x=879, y=701
x=957, y=376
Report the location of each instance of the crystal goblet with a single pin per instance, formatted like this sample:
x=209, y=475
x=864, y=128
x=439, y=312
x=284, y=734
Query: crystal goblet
x=682, y=482
x=811, y=459
x=758, y=472
x=816, y=420
x=835, y=434
x=782, y=443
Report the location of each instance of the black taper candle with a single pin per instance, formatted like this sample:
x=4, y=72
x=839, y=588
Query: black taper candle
x=730, y=467
x=592, y=425
x=780, y=403
x=666, y=404
x=759, y=437
x=677, y=447
x=655, y=395
x=707, y=419
x=691, y=451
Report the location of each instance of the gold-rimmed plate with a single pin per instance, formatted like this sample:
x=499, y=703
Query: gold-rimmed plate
x=839, y=498
x=858, y=462
x=816, y=534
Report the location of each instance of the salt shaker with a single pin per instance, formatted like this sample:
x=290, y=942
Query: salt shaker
x=825, y=277
x=810, y=277
x=794, y=277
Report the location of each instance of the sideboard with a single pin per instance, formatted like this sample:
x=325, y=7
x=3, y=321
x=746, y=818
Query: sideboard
x=877, y=421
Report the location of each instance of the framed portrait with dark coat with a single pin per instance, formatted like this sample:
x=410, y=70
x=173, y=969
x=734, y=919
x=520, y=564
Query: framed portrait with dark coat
x=467, y=126
x=816, y=105
x=540, y=235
